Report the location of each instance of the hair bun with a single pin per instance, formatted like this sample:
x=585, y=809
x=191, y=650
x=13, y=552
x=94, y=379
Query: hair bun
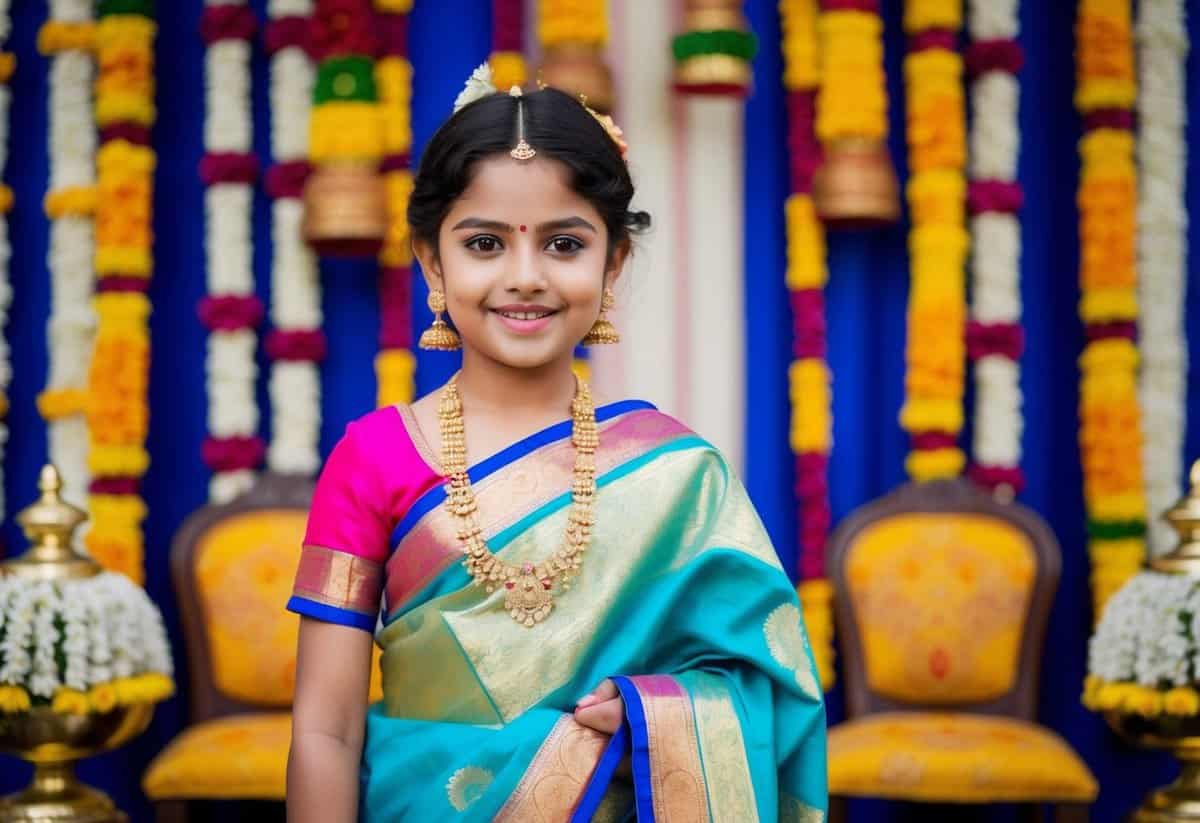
x=637, y=221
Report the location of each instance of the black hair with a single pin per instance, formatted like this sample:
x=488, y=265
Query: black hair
x=557, y=126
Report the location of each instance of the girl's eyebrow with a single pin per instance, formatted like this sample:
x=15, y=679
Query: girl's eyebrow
x=498, y=226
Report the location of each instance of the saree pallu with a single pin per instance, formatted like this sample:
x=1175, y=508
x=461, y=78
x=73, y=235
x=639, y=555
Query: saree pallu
x=681, y=600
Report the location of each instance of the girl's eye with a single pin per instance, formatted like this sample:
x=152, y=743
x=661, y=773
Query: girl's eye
x=485, y=243
x=565, y=244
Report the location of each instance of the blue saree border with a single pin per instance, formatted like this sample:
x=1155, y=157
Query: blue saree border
x=632, y=735
x=331, y=614
x=435, y=496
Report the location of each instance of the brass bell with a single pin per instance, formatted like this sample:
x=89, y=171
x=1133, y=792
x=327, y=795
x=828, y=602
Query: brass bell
x=579, y=69
x=714, y=15
x=345, y=210
x=856, y=185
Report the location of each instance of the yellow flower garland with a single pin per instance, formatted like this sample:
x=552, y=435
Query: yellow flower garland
x=852, y=101
x=920, y=15
x=1110, y=433
x=74, y=201
x=1101, y=695
x=57, y=36
x=508, y=69
x=345, y=131
x=572, y=21
x=938, y=242
x=151, y=687
x=810, y=389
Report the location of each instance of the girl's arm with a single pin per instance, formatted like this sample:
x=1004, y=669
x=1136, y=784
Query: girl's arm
x=333, y=669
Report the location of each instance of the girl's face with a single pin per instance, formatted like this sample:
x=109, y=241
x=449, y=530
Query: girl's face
x=523, y=262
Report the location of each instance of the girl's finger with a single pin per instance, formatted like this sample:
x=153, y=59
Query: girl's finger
x=605, y=716
x=605, y=691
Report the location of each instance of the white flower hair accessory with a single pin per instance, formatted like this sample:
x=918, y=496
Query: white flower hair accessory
x=479, y=85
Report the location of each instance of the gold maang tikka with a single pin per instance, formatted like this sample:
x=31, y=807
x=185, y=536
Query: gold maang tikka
x=521, y=151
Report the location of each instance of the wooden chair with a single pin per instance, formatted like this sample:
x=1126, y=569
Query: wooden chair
x=232, y=566
x=942, y=596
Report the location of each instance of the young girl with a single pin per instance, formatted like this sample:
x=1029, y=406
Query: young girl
x=589, y=622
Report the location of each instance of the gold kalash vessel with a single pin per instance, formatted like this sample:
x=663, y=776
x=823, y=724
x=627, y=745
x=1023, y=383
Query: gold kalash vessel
x=1180, y=801
x=52, y=741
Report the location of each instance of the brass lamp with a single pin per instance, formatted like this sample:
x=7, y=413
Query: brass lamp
x=1180, y=801
x=50, y=740
x=579, y=69
x=856, y=185
x=345, y=209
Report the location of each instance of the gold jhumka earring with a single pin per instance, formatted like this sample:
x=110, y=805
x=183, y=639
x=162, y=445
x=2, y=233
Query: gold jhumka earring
x=439, y=336
x=603, y=332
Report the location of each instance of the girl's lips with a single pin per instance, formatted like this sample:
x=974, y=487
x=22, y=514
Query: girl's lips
x=520, y=326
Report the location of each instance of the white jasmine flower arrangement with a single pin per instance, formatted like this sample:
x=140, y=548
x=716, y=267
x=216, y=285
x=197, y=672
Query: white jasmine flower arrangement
x=78, y=646
x=1142, y=658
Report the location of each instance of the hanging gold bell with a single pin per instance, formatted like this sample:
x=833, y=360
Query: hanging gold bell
x=856, y=185
x=345, y=210
x=714, y=15
x=579, y=69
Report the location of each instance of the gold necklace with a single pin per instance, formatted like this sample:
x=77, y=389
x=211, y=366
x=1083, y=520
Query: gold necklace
x=528, y=587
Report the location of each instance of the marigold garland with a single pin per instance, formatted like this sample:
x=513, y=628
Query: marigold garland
x=572, y=21
x=117, y=413
x=395, y=365
x=852, y=97
x=938, y=241
x=808, y=376
x=1110, y=433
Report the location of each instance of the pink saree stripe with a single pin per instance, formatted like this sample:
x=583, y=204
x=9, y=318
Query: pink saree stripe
x=511, y=493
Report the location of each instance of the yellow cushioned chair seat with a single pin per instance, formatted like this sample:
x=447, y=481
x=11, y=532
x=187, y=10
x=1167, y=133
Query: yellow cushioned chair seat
x=240, y=756
x=954, y=758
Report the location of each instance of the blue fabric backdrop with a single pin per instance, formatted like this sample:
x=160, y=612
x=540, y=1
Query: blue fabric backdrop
x=866, y=300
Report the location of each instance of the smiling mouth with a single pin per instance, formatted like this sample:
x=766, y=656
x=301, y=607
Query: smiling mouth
x=524, y=315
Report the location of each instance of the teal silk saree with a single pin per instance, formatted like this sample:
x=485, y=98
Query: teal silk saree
x=681, y=600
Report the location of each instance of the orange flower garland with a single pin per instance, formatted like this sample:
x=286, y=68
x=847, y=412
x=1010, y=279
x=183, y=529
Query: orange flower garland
x=938, y=242
x=117, y=413
x=1110, y=435
x=809, y=379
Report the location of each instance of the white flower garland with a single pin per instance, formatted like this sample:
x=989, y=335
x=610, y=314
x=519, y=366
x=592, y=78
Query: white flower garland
x=71, y=326
x=995, y=241
x=231, y=367
x=110, y=629
x=1162, y=255
x=295, y=387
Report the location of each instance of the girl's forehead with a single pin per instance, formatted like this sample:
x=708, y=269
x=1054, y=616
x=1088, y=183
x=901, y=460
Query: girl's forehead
x=517, y=183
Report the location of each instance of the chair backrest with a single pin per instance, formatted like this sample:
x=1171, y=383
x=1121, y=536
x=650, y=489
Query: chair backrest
x=941, y=600
x=233, y=566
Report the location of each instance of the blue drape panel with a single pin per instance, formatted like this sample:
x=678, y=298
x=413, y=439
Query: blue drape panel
x=866, y=301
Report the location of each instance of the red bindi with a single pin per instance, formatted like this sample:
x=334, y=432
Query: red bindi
x=522, y=227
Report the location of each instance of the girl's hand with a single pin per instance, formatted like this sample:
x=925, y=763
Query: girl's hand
x=602, y=710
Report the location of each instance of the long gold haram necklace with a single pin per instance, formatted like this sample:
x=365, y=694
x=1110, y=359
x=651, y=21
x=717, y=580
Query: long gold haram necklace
x=528, y=588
